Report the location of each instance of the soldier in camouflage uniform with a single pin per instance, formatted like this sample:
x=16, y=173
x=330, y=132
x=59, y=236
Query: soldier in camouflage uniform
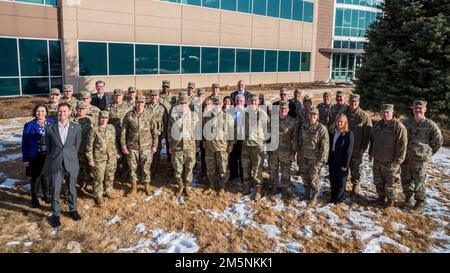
x=303, y=116
x=68, y=97
x=131, y=98
x=102, y=154
x=86, y=123
x=324, y=109
x=139, y=141
x=215, y=91
x=424, y=140
x=360, y=124
x=92, y=110
x=388, y=150
x=313, y=148
x=282, y=157
x=252, y=146
x=197, y=105
x=182, y=144
x=52, y=105
x=217, y=125
x=297, y=103
x=339, y=107
x=167, y=101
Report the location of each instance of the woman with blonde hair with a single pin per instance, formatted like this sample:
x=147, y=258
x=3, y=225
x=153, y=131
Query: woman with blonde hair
x=341, y=149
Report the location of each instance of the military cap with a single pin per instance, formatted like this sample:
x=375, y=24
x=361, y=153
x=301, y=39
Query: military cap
x=166, y=83
x=419, y=104
x=82, y=105
x=254, y=97
x=215, y=85
x=103, y=114
x=339, y=93
x=68, y=87
x=131, y=89
x=55, y=91
x=201, y=91
x=191, y=84
x=314, y=110
x=283, y=90
x=183, y=99
x=154, y=92
x=387, y=108
x=118, y=92
x=141, y=99
x=354, y=97
x=284, y=105
x=85, y=94
x=216, y=99
x=307, y=98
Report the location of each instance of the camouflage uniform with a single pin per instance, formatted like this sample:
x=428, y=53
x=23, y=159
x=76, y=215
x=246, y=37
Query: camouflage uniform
x=52, y=110
x=161, y=117
x=298, y=108
x=424, y=140
x=388, y=145
x=102, y=149
x=324, y=113
x=336, y=109
x=313, y=149
x=139, y=134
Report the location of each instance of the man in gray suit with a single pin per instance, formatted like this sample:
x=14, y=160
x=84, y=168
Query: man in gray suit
x=63, y=140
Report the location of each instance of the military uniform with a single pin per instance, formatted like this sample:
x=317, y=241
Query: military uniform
x=92, y=110
x=72, y=101
x=128, y=99
x=53, y=107
x=298, y=107
x=336, y=109
x=313, y=149
x=324, y=113
x=167, y=102
x=424, y=140
x=388, y=146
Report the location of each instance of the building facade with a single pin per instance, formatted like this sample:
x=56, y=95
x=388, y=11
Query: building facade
x=47, y=43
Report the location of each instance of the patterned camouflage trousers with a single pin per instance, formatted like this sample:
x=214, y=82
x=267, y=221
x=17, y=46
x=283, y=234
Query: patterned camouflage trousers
x=279, y=160
x=414, y=175
x=85, y=170
x=104, y=176
x=386, y=179
x=140, y=160
x=310, y=173
x=252, y=161
x=355, y=171
x=183, y=163
x=216, y=165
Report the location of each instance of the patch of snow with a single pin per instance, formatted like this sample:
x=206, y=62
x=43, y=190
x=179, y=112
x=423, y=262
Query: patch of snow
x=114, y=220
x=374, y=245
x=9, y=183
x=157, y=192
x=139, y=228
x=240, y=214
x=271, y=231
x=13, y=243
x=74, y=247
x=10, y=157
x=444, y=242
x=306, y=231
x=174, y=242
x=142, y=247
x=293, y=247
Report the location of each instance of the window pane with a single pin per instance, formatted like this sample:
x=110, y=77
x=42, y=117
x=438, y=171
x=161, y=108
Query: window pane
x=245, y=6
x=169, y=62
x=339, y=17
x=33, y=57
x=306, y=61
x=121, y=59
x=361, y=20
x=55, y=58
x=8, y=59
x=210, y=60
x=51, y=2
x=146, y=59
x=56, y=83
x=271, y=61
x=242, y=60
x=257, y=60
x=227, y=56
x=347, y=17
x=211, y=3
x=190, y=60
x=294, y=63
x=308, y=12
x=31, y=86
x=192, y=2
x=286, y=9
x=229, y=5
x=9, y=87
x=283, y=61
x=32, y=1
x=259, y=7
x=273, y=8
x=297, y=10
x=92, y=58
x=355, y=18
x=338, y=31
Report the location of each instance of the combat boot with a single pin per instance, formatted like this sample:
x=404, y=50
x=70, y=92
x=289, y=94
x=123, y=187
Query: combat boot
x=419, y=205
x=313, y=201
x=257, y=193
x=355, y=190
x=389, y=204
x=273, y=190
x=221, y=190
x=133, y=189
x=187, y=190
x=148, y=189
x=409, y=201
x=246, y=189
x=285, y=193
x=380, y=200
x=99, y=202
x=210, y=188
x=180, y=188
x=110, y=195
x=307, y=193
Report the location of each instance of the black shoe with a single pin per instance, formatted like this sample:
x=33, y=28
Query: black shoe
x=47, y=199
x=35, y=203
x=54, y=221
x=75, y=216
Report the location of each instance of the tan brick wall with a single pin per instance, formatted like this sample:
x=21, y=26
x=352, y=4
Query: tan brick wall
x=325, y=10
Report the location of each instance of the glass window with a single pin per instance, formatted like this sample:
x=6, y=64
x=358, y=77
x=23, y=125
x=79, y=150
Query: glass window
x=354, y=18
x=283, y=61
x=92, y=58
x=286, y=9
x=259, y=7
x=8, y=61
x=297, y=10
x=242, y=60
x=367, y=19
x=294, y=62
x=32, y=86
x=257, y=60
x=347, y=18
x=190, y=60
x=210, y=60
x=55, y=58
x=306, y=61
x=121, y=59
x=169, y=59
x=338, y=31
x=337, y=44
x=192, y=2
x=146, y=59
x=271, y=61
x=51, y=2
x=361, y=20
x=273, y=8
x=32, y=1
x=9, y=87
x=339, y=17
x=33, y=57
x=211, y=3
x=228, y=5
x=245, y=6
x=227, y=56
x=308, y=12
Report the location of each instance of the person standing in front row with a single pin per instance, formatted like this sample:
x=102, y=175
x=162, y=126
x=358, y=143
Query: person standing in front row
x=63, y=141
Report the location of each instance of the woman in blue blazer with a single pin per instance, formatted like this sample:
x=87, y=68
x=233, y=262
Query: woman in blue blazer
x=341, y=149
x=34, y=153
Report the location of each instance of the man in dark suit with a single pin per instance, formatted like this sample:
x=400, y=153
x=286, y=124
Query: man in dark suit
x=284, y=97
x=63, y=140
x=241, y=91
x=101, y=99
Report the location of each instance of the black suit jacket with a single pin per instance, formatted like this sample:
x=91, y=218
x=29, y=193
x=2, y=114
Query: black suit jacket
x=292, y=110
x=343, y=149
x=246, y=94
x=101, y=103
